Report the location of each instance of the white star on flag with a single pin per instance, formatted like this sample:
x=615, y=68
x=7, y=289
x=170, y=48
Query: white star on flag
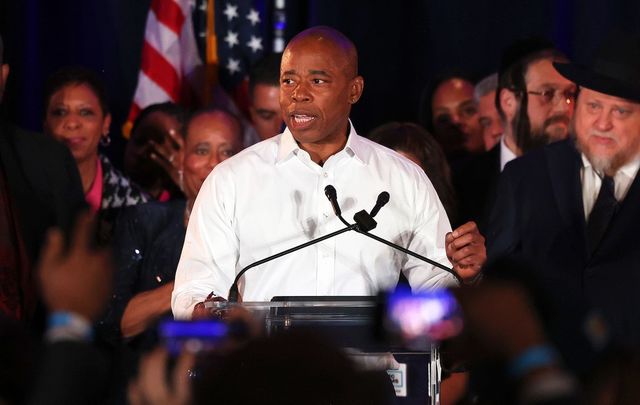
x=231, y=39
x=255, y=44
x=253, y=16
x=231, y=12
x=233, y=66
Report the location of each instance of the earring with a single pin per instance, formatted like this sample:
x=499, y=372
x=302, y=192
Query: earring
x=105, y=140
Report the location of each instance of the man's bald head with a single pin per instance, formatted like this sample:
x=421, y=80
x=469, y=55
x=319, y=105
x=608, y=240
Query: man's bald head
x=332, y=38
x=319, y=83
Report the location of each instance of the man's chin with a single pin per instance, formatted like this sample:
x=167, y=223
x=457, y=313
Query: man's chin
x=557, y=132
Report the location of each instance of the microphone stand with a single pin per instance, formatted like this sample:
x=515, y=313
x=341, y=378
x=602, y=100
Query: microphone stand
x=233, y=290
x=365, y=223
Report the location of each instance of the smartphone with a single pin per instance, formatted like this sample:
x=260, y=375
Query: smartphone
x=193, y=336
x=418, y=319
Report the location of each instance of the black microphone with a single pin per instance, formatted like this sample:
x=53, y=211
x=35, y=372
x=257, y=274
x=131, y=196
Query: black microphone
x=383, y=199
x=332, y=196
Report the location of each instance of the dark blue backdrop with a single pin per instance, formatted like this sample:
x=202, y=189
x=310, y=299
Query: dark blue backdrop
x=402, y=44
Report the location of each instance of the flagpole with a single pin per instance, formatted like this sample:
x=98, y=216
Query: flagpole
x=211, y=68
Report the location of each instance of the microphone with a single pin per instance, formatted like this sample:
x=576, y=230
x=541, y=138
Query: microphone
x=332, y=196
x=383, y=199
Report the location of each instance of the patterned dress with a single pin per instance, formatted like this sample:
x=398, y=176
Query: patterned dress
x=118, y=191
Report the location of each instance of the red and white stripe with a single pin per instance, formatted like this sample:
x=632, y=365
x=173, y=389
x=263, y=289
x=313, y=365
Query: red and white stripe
x=169, y=55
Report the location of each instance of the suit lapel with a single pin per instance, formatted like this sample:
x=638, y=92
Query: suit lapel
x=564, y=165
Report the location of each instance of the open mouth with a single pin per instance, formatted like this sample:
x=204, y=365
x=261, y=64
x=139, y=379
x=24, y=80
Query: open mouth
x=302, y=119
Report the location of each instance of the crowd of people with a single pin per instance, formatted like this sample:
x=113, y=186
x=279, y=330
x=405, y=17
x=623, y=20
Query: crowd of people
x=521, y=186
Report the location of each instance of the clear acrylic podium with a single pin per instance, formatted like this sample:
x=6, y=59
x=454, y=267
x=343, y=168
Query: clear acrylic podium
x=351, y=323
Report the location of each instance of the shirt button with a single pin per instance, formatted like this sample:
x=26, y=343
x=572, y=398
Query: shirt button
x=325, y=174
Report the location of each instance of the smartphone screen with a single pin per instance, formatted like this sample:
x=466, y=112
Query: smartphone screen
x=193, y=336
x=418, y=319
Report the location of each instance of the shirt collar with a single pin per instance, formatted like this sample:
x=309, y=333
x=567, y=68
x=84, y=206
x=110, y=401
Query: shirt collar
x=356, y=147
x=506, y=155
x=629, y=170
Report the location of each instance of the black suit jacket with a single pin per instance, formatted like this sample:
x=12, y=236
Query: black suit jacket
x=539, y=216
x=45, y=189
x=475, y=183
x=43, y=182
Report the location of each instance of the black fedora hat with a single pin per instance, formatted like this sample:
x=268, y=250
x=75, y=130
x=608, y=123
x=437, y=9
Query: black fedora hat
x=615, y=70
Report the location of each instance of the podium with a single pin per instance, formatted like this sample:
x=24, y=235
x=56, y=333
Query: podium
x=351, y=322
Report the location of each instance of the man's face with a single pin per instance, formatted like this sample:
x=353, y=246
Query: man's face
x=607, y=130
x=317, y=88
x=454, y=110
x=265, y=110
x=549, y=109
x=489, y=120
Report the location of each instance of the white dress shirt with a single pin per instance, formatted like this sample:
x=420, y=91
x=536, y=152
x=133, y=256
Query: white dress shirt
x=592, y=180
x=270, y=197
x=506, y=154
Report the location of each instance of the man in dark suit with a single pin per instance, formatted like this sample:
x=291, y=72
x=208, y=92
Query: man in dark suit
x=571, y=209
x=39, y=188
x=535, y=104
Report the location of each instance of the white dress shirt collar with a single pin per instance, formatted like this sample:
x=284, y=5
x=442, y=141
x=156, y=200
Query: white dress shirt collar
x=288, y=147
x=506, y=155
x=592, y=180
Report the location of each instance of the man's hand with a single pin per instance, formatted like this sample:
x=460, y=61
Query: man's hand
x=466, y=250
x=202, y=312
x=79, y=279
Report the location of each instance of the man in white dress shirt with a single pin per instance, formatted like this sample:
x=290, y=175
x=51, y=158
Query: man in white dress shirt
x=270, y=197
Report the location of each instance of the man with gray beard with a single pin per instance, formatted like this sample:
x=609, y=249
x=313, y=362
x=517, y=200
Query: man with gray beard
x=570, y=210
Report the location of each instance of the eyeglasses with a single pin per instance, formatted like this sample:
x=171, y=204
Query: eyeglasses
x=554, y=95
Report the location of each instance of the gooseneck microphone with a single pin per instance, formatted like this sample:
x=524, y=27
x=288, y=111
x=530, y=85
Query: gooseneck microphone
x=381, y=201
x=364, y=222
x=332, y=196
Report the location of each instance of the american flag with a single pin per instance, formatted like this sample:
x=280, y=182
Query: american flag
x=169, y=57
x=177, y=36
x=240, y=29
x=240, y=37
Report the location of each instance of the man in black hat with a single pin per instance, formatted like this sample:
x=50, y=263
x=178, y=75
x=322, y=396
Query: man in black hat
x=571, y=209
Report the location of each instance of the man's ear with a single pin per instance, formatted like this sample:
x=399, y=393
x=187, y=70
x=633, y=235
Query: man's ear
x=509, y=104
x=357, y=86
